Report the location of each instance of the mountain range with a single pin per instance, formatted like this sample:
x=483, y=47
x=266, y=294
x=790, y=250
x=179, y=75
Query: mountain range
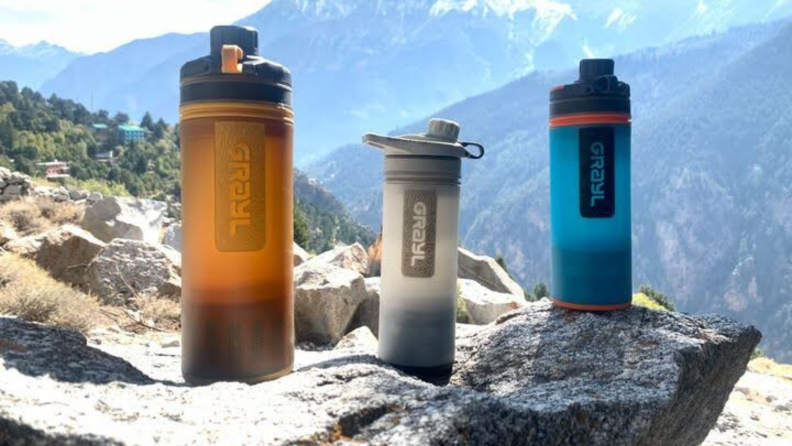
x=712, y=174
x=363, y=65
x=31, y=65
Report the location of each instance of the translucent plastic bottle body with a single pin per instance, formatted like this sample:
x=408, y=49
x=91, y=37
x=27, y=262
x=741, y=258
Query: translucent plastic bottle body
x=591, y=254
x=418, y=302
x=237, y=295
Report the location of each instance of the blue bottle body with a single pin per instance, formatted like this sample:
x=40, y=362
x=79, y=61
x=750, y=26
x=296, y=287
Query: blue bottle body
x=590, y=229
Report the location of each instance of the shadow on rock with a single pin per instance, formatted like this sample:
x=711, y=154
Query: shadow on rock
x=13, y=434
x=64, y=355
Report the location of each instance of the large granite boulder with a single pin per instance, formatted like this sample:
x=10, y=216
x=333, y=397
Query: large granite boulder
x=126, y=268
x=483, y=305
x=537, y=376
x=486, y=271
x=325, y=301
x=353, y=257
x=65, y=252
x=128, y=218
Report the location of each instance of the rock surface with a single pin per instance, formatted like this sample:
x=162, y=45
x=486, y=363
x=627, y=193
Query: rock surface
x=325, y=301
x=539, y=375
x=486, y=271
x=128, y=267
x=129, y=218
x=484, y=305
x=353, y=257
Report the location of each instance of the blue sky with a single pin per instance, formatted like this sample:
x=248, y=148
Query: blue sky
x=100, y=25
x=90, y=26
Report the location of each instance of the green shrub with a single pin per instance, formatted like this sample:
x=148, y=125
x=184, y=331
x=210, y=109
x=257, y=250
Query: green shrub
x=462, y=316
x=660, y=298
x=642, y=300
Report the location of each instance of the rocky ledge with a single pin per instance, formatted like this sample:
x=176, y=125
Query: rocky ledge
x=535, y=376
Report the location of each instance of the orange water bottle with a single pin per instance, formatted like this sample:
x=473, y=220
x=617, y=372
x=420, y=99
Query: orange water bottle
x=236, y=146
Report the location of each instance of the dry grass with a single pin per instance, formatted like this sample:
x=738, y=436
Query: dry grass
x=159, y=312
x=37, y=214
x=30, y=293
x=767, y=366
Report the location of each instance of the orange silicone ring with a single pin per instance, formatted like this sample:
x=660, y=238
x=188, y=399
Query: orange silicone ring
x=579, y=307
x=589, y=119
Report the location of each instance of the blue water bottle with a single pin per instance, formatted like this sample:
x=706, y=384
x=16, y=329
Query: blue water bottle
x=590, y=190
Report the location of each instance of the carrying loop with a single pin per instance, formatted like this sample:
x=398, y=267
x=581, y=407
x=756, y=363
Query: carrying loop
x=475, y=144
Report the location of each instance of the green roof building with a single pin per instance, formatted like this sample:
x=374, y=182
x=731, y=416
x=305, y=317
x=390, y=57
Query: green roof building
x=131, y=133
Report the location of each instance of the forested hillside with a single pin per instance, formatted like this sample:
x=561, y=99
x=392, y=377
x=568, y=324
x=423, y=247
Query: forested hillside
x=34, y=129
x=712, y=169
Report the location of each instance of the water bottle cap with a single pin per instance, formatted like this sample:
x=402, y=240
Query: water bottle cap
x=440, y=140
x=443, y=129
x=245, y=37
x=597, y=90
x=234, y=71
x=594, y=68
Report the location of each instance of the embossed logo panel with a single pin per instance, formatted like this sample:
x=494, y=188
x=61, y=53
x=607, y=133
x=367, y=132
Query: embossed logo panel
x=239, y=186
x=419, y=237
x=597, y=172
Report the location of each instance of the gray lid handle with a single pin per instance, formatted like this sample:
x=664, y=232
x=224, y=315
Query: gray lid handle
x=474, y=144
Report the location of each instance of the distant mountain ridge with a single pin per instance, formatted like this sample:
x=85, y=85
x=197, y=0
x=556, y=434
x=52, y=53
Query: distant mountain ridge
x=33, y=64
x=363, y=65
x=712, y=214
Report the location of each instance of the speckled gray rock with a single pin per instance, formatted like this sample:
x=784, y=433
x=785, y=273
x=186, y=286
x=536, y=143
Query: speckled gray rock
x=129, y=218
x=486, y=271
x=128, y=267
x=538, y=376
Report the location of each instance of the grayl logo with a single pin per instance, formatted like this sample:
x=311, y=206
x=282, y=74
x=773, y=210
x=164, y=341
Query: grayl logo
x=597, y=185
x=418, y=233
x=597, y=173
x=239, y=187
x=418, y=237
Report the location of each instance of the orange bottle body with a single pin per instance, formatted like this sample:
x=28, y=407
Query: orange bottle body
x=237, y=212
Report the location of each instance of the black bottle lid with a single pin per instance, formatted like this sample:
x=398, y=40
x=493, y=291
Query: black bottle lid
x=597, y=90
x=243, y=76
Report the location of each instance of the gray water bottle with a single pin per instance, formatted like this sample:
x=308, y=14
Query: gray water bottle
x=420, y=239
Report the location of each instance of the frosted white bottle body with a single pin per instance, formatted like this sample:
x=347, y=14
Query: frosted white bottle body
x=419, y=274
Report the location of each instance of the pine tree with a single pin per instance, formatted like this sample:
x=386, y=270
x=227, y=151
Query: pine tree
x=147, y=122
